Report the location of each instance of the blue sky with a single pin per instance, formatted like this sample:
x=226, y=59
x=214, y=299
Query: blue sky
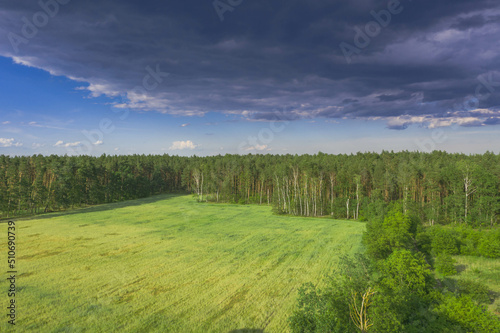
x=162, y=77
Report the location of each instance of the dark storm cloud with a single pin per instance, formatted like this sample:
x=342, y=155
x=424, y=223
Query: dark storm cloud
x=474, y=21
x=492, y=121
x=389, y=98
x=269, y=55
x=469, y=22
x=398, y=127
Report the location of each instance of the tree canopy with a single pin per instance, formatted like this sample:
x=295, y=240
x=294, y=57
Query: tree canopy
x=436, y=187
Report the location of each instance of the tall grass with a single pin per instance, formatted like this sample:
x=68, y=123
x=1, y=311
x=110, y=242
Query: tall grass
x=484, y=270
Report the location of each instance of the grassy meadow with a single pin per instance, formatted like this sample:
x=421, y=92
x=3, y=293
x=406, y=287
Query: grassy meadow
x=484, y=270
x=168, y=264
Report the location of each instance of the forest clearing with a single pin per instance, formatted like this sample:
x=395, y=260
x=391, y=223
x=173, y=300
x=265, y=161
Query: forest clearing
x=168, y=263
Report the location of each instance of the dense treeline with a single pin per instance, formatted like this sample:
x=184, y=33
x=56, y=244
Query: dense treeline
x=439, y=187
x=40, y=184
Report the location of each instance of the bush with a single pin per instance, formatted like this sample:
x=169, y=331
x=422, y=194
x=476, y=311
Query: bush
x=327, y=310
x=423, y=242
x=403, y=269
x=489, y=245
x=469, y=247
x=469, y=240
x=465, y=241
x=395, y=231
x=444, y=241
x=445, y=264
x=475, y=290
x=471, y=317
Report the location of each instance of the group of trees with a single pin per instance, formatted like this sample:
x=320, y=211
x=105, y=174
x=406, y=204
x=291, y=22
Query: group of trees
x=440, y=187
x=30, y=185
x=394, y=289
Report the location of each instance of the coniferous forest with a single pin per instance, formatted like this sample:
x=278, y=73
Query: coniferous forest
x=438, y=187
x=424, y=211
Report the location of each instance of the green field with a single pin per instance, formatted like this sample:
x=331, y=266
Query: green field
x=484, y=270
x=169, y=264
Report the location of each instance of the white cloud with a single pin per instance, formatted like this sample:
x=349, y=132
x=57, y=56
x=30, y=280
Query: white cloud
x=98, y=143
x=179, y=145
x=26, y=61
x=258, y=147
x=60, y=143
x=98, y=89
x=34, y=62
x=36, y=145
x=137, y=100
x=430, y=121
x=184, y=125
x=5, y=122
x=9, y=143
x=35, y=124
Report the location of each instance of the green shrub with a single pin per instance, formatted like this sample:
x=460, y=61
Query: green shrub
x=423, y=241
x=469, y=247
x=327, y=310
x=469, y=240
x=445, y=264
x=489, y=246
x=465, y=241
x=475, y=290
x=394, y=231
x=471, y=317
x=403, y=269
x=444, y=241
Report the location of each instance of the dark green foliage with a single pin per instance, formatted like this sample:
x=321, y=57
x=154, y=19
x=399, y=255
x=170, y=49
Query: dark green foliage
x=395, y=231
x=305, y=318
x=484, y=243
x=444, y=241
x=423, y=242
x=376, y=209
x=401, y=311
x=407, y=271
x=445, y=265
x=322, y=311
x=469, y=241
x=30, y=185
x=327, y=310
x=467, y=316
x=475, y=290
x=407, y=297
x=489, y=245
x=376, y=241
x=429, y=187
x=402, y=301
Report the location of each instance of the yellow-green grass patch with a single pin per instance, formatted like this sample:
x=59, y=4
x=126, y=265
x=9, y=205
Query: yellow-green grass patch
x=168, y=264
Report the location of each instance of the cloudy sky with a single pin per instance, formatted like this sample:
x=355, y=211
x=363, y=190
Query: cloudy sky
x=239, y=76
